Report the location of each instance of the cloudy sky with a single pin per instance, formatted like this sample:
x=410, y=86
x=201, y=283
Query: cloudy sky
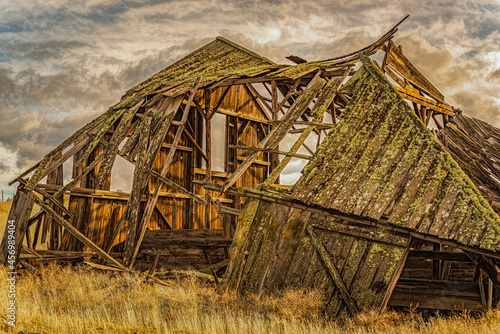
x=64, y=62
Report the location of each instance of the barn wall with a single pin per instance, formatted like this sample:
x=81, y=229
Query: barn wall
x=272, y=250
x=97, y=215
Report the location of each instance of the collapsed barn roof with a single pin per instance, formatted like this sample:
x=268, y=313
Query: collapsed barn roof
x=393, y=170
x=378, y=179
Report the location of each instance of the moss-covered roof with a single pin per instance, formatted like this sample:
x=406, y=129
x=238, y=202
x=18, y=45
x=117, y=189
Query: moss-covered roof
x=214, y=61
x=381, y=162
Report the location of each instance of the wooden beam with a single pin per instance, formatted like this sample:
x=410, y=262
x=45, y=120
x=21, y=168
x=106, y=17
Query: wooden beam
x=130, y=252
x=218, y=103
x=77, y=234
x=139, y=183
x=424, y=101
x=178, y=187
x=395, y=277
x=190, y=137
x=242, y=81
x=279, y=132
x=322, y=103
x=163, y=216
x=208, y=148
x=439, y=255
x=258, y=101
x=15, y=227
x=348, y=218
x=23, y=174
x=332, y=271
x=277, y=152
x=87, y=170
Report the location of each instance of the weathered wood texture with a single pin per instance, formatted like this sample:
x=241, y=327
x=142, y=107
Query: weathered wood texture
x=272, y=251
x=438, y=278
x=400, y=64
x=475, y=146
x=18, y=218
x=184, y=249
x=381, y=161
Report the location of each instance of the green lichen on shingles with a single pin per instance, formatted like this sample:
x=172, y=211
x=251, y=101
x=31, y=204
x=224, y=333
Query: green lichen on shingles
x=314, y=182
x=213, y=61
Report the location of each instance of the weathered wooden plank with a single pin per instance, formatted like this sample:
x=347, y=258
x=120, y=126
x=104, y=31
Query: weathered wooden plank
x=99, y=135
x=399, y=63
x=349, y=218
x=112, y=148
x=324, y=100
x=132, y=245
x=337, y=279
x=262, y=265
x=258, y=233
x=240, y=241
x=41, y=168
x=139, y=183
x=208, y=148
x=15, y=227
x=289, y=244
x=70, y=228
x=178, y=187
x=279, y=132
x=438, y=255
x=157, y=243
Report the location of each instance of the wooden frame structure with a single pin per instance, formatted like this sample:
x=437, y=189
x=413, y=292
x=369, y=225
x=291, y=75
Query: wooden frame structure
x=225, y=101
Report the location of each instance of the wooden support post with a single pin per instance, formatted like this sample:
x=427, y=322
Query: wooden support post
x=332, y=271
x=112, y=149
x=55, y=177
x=395, y=277
x=208, y=149
x=15, y=229
x=490, y=294
x=273, y=157
x=139, y=183
x=436, y=264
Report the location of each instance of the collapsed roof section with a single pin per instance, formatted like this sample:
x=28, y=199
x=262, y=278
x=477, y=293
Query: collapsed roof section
x=380, y=192
x=381, y=162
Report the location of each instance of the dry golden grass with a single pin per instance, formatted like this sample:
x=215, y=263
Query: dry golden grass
x=4, y=214
x=80, y=300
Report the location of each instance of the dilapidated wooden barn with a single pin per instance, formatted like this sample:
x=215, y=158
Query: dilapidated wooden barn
x=396, y=205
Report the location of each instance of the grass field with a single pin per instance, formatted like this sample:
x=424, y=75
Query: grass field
x=80, y=300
